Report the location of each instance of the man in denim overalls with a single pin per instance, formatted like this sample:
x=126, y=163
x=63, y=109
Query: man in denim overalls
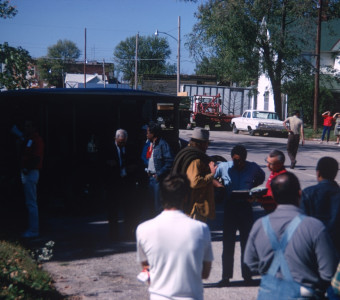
x=292, y=252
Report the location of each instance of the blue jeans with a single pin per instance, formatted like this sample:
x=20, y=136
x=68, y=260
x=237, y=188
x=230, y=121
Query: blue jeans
x=331, y=294
x=154, y=187
x=30, y=181
x=326, y=129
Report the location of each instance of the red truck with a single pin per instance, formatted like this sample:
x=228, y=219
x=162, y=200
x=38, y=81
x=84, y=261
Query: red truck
x=207, y=110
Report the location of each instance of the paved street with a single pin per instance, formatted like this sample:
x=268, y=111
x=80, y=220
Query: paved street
x=95, y=268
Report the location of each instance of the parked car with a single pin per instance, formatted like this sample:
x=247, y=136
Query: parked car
x=258, y=121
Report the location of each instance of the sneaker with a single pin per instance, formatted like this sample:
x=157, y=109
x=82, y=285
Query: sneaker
x=321, y=142
x=29, y=234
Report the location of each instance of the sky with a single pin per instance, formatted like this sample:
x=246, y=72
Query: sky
x=41, y=23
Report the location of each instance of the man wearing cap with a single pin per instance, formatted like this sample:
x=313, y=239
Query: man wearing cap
x=294, y=129
x=200, y=171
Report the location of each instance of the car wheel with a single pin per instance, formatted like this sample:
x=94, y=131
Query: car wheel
x=235, y=130
x=225, y=126
x=200, y=122
x=212, y=126
x=251, y=131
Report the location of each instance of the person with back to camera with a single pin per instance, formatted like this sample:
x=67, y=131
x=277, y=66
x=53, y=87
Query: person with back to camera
x=175, y=249
x=322, y=201
x=327, y=125
x=200, y=169
x=292, y=252
x=295, y=132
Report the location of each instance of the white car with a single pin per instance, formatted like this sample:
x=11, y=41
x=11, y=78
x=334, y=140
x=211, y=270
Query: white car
x=259, y=121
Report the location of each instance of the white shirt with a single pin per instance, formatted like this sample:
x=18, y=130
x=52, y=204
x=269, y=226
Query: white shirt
x=151, y=166
x=175, y=247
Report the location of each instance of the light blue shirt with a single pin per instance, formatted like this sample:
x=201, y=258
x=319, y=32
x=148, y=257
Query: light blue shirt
x=247, y=178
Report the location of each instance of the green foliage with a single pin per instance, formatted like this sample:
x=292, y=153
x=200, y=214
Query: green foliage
x=16, y=62
x=21, y=277
x=152, y=55
x=51, y=71
x=65, y=50
x=242, y=38
x=53, y=67
x=301, y=96
x=7, y=10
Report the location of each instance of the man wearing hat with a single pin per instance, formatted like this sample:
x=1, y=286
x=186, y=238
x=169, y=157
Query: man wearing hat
x=200, y=171
x=294, y=130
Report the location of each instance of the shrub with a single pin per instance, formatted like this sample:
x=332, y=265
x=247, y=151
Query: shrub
x=21, y=277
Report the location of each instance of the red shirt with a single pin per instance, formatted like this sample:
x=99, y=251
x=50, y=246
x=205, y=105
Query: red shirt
x=33, y=152
x=327, y=120
x=267, y=201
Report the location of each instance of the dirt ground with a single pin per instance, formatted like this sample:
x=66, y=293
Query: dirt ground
x=87, y=265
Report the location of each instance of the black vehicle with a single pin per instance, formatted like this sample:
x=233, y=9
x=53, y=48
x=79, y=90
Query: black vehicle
x=75, y=124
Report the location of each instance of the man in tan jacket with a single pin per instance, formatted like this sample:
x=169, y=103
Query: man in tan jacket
x=200, y=171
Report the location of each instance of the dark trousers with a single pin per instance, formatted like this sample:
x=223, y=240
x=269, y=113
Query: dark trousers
x=121, y=204
x=293, y=146
x=237, y=216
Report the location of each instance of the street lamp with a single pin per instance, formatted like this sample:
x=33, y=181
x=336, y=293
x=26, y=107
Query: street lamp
x=178, y=50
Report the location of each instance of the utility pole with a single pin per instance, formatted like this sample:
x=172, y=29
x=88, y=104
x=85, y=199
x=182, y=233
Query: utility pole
x=317, y=68
x=136, y=63
x=179, y=56
x=85, y=61
x=104, y=73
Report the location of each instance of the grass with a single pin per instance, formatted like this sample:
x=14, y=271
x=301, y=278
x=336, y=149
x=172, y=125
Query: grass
x=310, y=134
x=21, y=277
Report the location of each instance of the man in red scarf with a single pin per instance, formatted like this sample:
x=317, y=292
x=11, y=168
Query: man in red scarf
x=275, y=163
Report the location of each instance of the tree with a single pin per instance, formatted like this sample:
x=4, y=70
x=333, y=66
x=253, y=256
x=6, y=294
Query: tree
x=248, y=37
x=15, y=70
x=152, y=55
x=57, y=62
x=300, y=96
x=15, y=60
x=7, y=10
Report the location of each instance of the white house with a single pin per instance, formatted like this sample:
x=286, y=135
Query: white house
x=74, y=80
x=329, y=65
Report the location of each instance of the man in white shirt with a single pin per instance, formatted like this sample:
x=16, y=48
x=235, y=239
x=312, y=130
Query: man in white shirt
x=174, y=248
x=295, y=132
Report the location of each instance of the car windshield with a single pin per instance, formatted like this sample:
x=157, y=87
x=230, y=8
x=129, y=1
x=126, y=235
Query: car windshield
x=265, y=115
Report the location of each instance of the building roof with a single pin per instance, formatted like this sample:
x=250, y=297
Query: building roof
x=330, y=35
x=80, y=78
